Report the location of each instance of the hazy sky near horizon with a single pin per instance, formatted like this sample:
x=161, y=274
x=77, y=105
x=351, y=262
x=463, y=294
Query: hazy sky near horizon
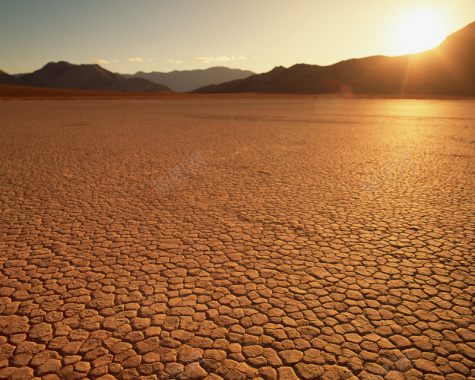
x=157, y=35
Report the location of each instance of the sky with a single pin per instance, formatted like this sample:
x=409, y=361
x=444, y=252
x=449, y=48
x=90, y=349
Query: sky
x=159, y=35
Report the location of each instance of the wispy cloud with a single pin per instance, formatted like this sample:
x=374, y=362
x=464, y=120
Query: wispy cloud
x=104, y=61
x=174, y=61
x=223, y=58
x=135, y=59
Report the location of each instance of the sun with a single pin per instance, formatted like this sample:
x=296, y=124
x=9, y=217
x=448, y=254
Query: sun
x=419, y=31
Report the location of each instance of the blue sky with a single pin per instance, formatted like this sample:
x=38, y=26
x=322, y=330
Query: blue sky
x=153, y=35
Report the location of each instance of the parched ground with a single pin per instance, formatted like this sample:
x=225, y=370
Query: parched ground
x=237, y=238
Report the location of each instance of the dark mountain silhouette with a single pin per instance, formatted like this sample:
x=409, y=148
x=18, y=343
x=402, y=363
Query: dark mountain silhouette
x=10, y=79
x=86, y=77
x=188, y=80
x=449, y=69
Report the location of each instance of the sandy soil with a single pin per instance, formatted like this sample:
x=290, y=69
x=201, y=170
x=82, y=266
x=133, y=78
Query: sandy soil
x=282, y=238
x=8, y=92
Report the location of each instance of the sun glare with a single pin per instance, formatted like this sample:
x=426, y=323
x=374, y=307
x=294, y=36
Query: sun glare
x=419, y=31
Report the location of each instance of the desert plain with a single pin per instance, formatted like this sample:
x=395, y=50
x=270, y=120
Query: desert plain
x=315, y=238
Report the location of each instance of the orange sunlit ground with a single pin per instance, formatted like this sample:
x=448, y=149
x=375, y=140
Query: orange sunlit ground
x=314, y=239
x=219, y=190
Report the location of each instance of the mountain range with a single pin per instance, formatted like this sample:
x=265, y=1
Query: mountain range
x=81, y=77
x=449, y=69
x=189, y=80
x=10, y=79
x=94, y=77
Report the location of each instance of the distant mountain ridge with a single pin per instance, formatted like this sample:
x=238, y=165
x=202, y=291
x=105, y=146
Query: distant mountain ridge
x=81, y=77
x=188, y=80
x=449, y=69
x=10, y=79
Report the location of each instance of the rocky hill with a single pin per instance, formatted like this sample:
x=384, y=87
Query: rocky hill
x=86, y=77
x=188, y=80
x=448, y=69
x=10, y=79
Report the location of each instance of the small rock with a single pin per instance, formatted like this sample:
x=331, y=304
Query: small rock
x=147, y=345
x=50, y=366
x=268, y=373
x=14, y=373
x=287, y=373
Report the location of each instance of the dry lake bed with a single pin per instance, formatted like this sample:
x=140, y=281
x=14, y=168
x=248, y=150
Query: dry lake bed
x=237, y=239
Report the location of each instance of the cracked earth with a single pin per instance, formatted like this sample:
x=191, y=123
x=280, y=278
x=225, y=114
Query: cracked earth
x=272, y=261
